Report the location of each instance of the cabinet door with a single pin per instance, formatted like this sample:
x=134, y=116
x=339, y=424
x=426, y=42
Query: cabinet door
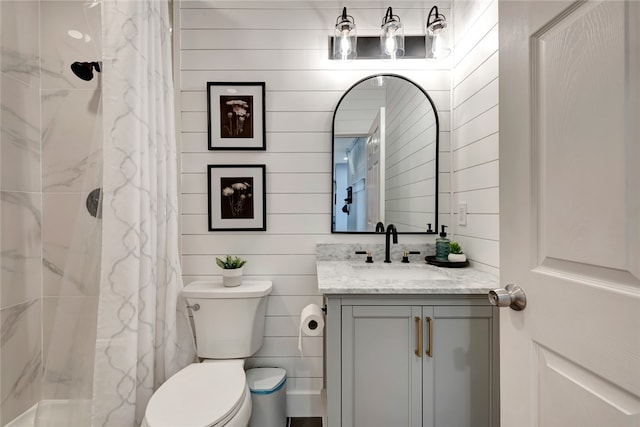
x=457, y=378
x=381, y=372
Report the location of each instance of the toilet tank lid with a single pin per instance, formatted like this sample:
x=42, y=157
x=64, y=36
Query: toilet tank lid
x=215, y=289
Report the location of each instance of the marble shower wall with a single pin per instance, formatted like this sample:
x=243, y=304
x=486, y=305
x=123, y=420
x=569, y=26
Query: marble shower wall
x=20, y=208
x=49, y=146
x=71, y=168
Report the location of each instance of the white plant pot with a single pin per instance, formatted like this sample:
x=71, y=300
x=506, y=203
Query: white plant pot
x=457, y=257
x=232, y=277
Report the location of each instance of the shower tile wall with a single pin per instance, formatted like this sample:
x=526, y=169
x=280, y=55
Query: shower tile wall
x=20, y=209
x=71, y=136
x=48, y=145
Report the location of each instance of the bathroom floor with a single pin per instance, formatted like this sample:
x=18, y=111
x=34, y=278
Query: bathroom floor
x=305, y=422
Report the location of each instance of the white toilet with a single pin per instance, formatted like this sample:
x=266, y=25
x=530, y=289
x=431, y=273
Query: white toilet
x=229, y=326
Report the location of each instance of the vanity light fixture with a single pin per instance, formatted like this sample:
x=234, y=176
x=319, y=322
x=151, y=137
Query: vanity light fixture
x=344, y=44
x=392, y=44
x=434, y=43
x=391, y=36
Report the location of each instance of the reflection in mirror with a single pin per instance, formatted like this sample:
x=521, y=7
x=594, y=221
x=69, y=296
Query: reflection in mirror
x=385, y=157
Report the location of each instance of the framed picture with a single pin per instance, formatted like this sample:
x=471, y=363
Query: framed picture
x=236, y=116
x=237, y=197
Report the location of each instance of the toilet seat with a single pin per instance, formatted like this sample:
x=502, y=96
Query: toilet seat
x=201, y=395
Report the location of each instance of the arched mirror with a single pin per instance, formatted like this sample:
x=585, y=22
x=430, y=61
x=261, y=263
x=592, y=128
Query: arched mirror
x=385, y=157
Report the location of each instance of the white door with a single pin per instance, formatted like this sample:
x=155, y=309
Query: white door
x=570, y=212
x=374, y=186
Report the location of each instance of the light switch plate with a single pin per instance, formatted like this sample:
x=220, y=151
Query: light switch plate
x=462, y=213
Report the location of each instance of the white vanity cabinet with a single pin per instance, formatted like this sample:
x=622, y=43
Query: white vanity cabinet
x=396, y=361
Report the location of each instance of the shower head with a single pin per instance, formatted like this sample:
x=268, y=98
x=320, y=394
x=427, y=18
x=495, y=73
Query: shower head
x=84, y=70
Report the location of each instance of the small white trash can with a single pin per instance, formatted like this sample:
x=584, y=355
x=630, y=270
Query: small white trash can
x=268, y=396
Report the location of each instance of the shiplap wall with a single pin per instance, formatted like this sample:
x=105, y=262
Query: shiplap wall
x=283, y=44
x=475, y=130
x=359, y=109
x=409, y=157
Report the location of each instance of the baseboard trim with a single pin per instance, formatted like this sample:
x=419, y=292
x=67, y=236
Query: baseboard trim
x=305, y=403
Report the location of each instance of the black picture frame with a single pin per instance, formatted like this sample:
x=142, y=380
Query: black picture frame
x=237, y=197
x=236, y=116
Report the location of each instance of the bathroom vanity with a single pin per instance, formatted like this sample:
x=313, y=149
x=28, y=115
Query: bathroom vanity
x=409, y=345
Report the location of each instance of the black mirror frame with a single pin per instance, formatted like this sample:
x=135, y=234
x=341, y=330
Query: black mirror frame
x=437, y=159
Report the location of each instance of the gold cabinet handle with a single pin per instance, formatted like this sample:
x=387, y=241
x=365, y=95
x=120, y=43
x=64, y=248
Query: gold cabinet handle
x=430, y=325
x=419, y=336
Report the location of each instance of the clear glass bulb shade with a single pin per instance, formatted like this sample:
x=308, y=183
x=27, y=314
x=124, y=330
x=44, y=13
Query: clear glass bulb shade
x=345, y=43
x=392, y=41
x=436, y=45
x=436, y=37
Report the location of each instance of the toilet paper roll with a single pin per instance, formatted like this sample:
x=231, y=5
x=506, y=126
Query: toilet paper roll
x=311, y=324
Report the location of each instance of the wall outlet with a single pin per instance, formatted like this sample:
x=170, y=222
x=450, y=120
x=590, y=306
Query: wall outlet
x=462, y=214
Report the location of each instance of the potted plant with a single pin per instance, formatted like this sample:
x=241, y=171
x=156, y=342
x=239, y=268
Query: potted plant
x=455, y=252
x=231, y=270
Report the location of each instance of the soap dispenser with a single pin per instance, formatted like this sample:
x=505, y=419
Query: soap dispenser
x=442, y=246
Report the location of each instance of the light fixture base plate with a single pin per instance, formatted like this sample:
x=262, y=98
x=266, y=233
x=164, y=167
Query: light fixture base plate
x=369, y=47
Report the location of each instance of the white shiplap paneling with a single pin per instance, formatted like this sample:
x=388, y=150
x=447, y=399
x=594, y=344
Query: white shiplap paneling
x=475, y=130
x=314, y=80
x=302, y=162
x=244, y=41
x=286, y=183
x=277, y=142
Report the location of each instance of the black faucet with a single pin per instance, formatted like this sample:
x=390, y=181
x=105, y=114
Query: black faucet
x=379, y=227
x=391, y=229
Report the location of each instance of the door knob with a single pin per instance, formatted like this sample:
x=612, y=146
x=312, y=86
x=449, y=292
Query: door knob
x=511, y=296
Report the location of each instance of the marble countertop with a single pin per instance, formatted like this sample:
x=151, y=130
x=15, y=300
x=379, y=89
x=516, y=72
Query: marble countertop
x=357, y=277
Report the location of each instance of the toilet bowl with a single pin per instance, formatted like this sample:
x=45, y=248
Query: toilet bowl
x=229, y=326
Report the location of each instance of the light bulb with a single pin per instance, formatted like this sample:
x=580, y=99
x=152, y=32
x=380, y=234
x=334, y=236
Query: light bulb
x=344, y=41
x=391, y=37
x=345, y=44
x=436, y=46
x=390, y=46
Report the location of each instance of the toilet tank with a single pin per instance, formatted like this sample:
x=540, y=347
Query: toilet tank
x=229, y=323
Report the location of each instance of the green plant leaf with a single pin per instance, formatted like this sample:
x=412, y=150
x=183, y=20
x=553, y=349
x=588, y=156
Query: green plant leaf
x=454, y=248
x=230, y=262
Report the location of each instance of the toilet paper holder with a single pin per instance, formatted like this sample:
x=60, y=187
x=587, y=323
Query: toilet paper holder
x=313, y=325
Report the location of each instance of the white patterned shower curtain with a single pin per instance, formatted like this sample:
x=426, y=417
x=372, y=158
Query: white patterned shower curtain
x=143, y=335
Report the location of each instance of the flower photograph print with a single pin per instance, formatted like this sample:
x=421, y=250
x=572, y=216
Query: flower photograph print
x=236, y=116
x=237, y=200
x=236, y=197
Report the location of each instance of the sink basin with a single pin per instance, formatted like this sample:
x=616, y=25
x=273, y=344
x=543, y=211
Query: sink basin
x=398, y=272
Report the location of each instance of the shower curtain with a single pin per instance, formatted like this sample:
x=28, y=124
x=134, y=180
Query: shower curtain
x=143, y=334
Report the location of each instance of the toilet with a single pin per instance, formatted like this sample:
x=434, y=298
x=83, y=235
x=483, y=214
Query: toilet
x=229, y=327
